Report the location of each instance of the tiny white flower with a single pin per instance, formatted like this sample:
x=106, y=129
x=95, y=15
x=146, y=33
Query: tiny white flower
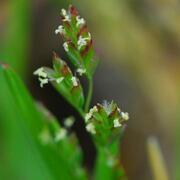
x=89, y=34
x=82, y=41
x=88, y=116
x=94, y=109
x=56, y=31
x=63, y=11
x=45, y=137
x=119, y=110
x=61, y=134
x=80, y=21
x=40, y=72
x=107, y=107
x=81, y=71
x=66, y=15
x=60, y=30
x=43, y=81
x=90, y=128
x=66, y=47
x=74, y=81
x=59, y=80
x=125, y=115
x=67, y=18
x=69, y=122
x=91, y=111
x=116, y=123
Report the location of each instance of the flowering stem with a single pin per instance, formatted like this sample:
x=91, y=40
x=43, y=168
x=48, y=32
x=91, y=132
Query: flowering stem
x=89, y=95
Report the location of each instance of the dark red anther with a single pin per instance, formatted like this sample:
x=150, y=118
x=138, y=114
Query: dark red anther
x=73, y=11
x=114, y=113
x=87, y=48
x=66, y=23
x=62, y=17
x=83, y=30
x=71, y=44
x=65, y=70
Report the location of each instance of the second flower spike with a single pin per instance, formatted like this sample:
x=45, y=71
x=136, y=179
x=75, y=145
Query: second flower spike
x=63, y=80
x=105, y=122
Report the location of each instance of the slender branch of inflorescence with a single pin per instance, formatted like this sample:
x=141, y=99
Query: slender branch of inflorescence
x=89, y=95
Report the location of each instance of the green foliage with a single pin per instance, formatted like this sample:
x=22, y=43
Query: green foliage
x=108, y=164
x=14, y=47
x=34, y=145
x=78, y=41
x=63, y=80
x=104, y=122
x=26, y=154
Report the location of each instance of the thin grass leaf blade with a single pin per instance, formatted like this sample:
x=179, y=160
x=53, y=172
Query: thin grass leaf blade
x=23, y=154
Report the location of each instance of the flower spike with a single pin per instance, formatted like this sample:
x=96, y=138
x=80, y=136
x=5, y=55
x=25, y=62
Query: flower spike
x=105, y=121
x=77, y=41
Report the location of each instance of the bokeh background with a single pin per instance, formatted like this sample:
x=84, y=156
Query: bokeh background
x=138, y=43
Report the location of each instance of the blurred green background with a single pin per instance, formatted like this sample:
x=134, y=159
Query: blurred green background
x=138, y=43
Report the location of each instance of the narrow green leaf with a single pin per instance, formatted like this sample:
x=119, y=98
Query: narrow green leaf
x=23, y=155
x=15, y=44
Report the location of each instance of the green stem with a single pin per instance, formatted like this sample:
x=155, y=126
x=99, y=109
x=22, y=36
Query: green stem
x=89, y=95
x=107, y=164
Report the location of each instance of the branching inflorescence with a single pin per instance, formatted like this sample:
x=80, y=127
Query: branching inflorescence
x=104, y=121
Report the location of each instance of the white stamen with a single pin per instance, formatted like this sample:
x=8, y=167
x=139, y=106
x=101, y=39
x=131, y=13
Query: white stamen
x=63, y=11
x=66, y=16
x=81, y=71
x=43, y=81
x=80, y=21
x=61, y=134
x=69, y=122
x=116, y=123
x=91, y=111
x=89, y=34
x=107, y=107
x=90, y=128
x=87, y=117
x=82, y=41
x=74, y=81
x=94, y=109
x=60, y=30
x=66, y=47
x=59, y=80
x=56, y=31
x=125, y=115
x=40, y=72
